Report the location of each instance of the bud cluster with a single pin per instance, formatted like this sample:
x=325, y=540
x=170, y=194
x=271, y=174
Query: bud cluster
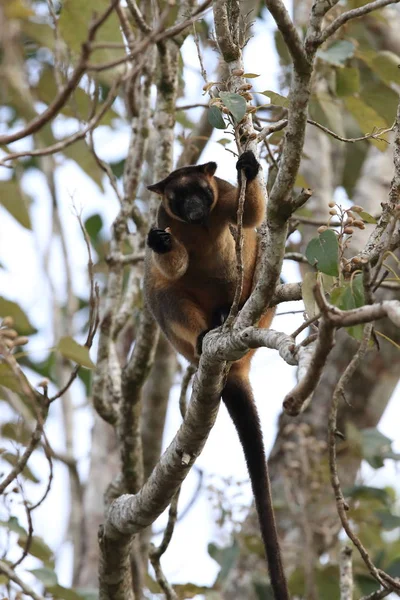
x=9, y=337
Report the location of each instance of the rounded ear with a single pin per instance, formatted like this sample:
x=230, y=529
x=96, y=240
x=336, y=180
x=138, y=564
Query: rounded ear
x=209, y=168
x=157, y=188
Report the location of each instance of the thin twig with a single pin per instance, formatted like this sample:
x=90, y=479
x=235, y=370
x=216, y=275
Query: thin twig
x=139, y=18
x=239, y=254
x=33, y=443
x=342, y=506
x=94, y=302
x=305, y=325
x=12, y=576
x=28, y=541
x=374, y=135
x=378, y=595
x=298, y=399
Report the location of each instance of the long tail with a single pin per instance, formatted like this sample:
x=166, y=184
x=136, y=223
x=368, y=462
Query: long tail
x=238, y=398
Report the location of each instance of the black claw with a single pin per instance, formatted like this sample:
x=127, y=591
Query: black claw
x=220, y=315
x=159, y=241
x=199, y=342
x=249, y=164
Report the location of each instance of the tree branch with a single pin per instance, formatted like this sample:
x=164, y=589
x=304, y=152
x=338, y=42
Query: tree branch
x=8, y=572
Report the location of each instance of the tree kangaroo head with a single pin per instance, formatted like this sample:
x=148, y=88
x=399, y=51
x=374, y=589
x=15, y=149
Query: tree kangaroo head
x=189, y=194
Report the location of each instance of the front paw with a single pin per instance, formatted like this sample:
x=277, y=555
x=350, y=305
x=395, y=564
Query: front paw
x=249, y=164
x=159, y=240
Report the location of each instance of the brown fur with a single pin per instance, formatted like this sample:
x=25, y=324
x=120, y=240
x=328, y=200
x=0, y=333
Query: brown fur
x=192, y=281
x=189, y=297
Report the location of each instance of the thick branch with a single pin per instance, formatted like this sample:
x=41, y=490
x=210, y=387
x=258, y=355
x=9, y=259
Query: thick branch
x=230, y=49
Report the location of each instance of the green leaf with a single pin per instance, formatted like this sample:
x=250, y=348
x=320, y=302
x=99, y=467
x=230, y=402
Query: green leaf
x=118, y=167
x=301, y=181
x=276, y=99
x=69, y=348
x=9, y=379
x=88, y=593
x=21, y=321
x=235, y=103
x=349, y=296
x=323, y=253
x=376, y=447
x=74, y=22
x=337, y=53
x=263, y=591
x=13, y=525
x=224, y=141
x=18, y=432
x=379, y=96
x=39, y=549
x=82, y=155
x=282, y=49
x=13, y=459
x=225, y=557
x=80, y=103
x=326, y=109
x=62, y=593
x=250, y=75
x=366, y=584
x=354, y=156
x=367, y=119
x=388, y=521
x=93, y=226
x=394, y=568
x=215, y=118
x=347, y=81
x=40, y=33
x=327, y=582
x=367, y=492
x=386, y=65
x=14, y=201
x=47, y=576
x=184, y=591
x=367, y=217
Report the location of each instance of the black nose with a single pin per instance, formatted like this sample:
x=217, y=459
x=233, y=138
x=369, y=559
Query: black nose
x=195, y=210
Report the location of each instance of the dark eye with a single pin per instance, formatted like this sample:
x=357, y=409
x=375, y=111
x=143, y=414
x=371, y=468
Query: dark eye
x=208, y=195
x=175, y=205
